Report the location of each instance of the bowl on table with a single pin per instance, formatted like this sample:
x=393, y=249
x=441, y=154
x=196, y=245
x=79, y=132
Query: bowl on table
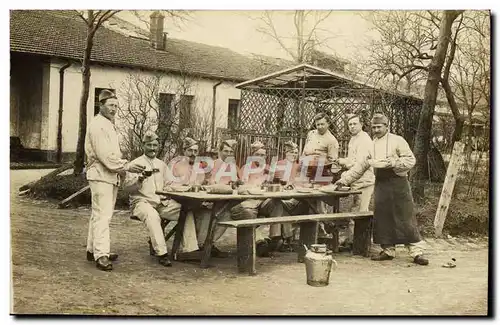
x=379, y=163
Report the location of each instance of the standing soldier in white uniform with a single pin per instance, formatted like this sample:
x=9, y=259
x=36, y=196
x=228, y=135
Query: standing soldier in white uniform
x=360, y=147
x=322, y=145
x=394, y=220
x=104, y=169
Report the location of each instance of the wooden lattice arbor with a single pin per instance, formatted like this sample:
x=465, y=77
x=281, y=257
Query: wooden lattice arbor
x=280, y=106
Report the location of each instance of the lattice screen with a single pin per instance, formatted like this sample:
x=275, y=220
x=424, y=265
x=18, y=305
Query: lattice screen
x=276, y=115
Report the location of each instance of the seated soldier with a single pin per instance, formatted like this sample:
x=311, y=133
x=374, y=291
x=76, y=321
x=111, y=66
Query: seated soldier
x=184, y=172
x=254, y=174
x=212, y=153
x=149, y=207
x=223, y=172
x=286, y=172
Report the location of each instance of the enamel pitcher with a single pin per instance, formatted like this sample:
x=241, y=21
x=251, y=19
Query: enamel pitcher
x=319, y=264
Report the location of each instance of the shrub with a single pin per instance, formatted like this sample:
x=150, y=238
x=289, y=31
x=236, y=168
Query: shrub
x=61, y=186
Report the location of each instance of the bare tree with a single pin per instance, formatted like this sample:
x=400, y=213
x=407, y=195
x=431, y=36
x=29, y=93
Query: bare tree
x=406, y=44
x=306, y=33
x=399, y=59
x=139, y=111
x=156, y=103
x=422, y=137
x=94, y=19
x=177, y=17
x=470, y=78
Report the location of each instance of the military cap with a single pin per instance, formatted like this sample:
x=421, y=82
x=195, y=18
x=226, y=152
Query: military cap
x=379, y=118
x=106, y=94
x=188, y=142
x=149, y=136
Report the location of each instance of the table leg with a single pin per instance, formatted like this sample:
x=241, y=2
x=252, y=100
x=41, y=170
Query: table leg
x=308, y=236
x=336, y=204
x=312, y=206
x=207, y=247
x=180, y=230
x=334, y=243
x=362, y=237
x=245, y=238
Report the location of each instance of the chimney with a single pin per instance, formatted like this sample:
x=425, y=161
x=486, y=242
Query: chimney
x=156, y=35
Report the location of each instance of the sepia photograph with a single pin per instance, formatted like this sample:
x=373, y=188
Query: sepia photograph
x=187, y=162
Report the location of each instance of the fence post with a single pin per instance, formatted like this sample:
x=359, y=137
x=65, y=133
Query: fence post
x=448, y=185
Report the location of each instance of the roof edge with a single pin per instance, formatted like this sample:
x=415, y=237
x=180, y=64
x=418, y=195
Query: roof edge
x=145, y=67
x=331, y=73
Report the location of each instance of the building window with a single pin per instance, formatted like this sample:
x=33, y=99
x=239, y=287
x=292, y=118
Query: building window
x=165, y=107
x=233, y=111
x=97, y=91
x=185, y=111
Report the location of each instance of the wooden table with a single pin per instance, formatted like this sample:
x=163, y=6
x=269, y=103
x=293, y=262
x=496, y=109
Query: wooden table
x=188, y=199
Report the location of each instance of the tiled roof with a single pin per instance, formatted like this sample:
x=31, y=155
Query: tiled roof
x=62, y=34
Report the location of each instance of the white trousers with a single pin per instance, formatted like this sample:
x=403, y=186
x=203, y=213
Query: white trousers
x=202, y=219
x=151, y=217
x=103, y=204
x=414, y=249
x=253, y=209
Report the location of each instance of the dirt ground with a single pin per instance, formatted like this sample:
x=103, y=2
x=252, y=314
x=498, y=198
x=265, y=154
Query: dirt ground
x=50, y=275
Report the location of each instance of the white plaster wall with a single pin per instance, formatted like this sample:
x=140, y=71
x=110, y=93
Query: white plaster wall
x=115, y=77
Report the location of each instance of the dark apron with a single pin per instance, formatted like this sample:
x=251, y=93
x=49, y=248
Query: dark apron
x=394, y=221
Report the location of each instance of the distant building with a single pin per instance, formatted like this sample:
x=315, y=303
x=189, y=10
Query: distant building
x=46, y=47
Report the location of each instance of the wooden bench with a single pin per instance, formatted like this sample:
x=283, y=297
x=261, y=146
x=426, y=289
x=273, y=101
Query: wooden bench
x=245, y=234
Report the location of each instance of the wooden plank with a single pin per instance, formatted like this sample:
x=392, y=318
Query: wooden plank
x=64, y=202
x=308, y=236
x=203, y=196
x=448, y=185
x=295, y=219
x=246, y=250
x=362, y=237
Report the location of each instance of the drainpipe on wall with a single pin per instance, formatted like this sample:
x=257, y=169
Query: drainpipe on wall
x=60, y=115
x=212, y=143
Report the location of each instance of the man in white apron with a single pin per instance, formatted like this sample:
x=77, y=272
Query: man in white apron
x=104, y=171
x=394, y=220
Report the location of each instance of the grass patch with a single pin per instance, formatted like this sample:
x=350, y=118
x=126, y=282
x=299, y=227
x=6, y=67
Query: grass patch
x=468, y=215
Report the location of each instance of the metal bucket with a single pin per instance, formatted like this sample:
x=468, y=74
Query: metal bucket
x=318, y=265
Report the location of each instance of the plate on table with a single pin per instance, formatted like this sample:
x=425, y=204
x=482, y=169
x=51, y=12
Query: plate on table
x=180, y=188
x=219, y=189
x=304, y=190
x=329, y=188
x=250, y=191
